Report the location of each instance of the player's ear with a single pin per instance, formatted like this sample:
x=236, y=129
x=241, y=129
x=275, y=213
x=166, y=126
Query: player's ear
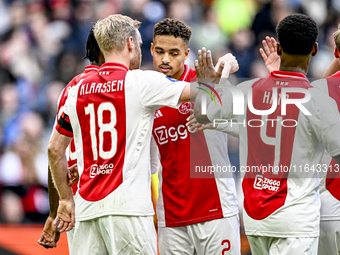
x=336, y=52
x=315, y=49
x=131, y=43
x=151, y=49
x=279, y=49
x=101, y=58
x=186, y=53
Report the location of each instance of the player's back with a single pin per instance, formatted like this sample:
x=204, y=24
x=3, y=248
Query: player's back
x=71, y=151
x=279, y=153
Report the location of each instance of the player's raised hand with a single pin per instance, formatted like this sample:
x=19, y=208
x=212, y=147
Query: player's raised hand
x=195, y=126
x=50, y=234
x=65, y=219
x=230, y=65
x=270, y=57
x=204, y=65
x=73, y=175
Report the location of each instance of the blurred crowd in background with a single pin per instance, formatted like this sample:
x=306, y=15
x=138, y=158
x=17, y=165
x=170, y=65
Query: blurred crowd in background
x=42, y=46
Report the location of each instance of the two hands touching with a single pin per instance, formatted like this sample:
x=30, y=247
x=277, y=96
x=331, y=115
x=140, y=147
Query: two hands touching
x=228, y=64
x=63, y=219
x=60, y=220
x=205, y=69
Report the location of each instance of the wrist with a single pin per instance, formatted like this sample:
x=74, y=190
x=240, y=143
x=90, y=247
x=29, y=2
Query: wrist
x=67, y=195
x=52, y=215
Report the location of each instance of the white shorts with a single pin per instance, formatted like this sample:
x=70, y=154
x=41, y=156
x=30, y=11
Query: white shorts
x=220, y=236
x=264, y=245
x=110, y=235
x=329, y=242
x=70, y=238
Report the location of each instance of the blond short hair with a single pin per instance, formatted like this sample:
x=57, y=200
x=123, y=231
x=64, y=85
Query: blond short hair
x=336, y=36
x=112, y=32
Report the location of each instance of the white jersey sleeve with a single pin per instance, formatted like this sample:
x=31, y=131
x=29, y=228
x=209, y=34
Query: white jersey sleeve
x=157, y=89
x=326, y=122
x=155, y=162
x=229, y=129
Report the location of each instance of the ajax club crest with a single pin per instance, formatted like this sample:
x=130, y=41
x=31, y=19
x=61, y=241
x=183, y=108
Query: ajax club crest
x=184, y=108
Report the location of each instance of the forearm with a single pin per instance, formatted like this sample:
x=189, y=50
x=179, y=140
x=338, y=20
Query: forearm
x=232, y=130
x=200, y=109
x=188, y=94
x=332, y=69
x=58, y=164
x=52, y=196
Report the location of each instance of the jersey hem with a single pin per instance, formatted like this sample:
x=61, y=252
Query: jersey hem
x=194, y=221
x=94, y=216
x=329, y=218
x=282, y=234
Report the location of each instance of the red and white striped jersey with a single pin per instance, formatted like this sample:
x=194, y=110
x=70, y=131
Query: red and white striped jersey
x=111, y=115
x=330, y=181
x=184, y=200
x=71, y=150
x=285, y=202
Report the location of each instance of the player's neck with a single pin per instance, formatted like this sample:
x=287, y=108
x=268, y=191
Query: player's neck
x=179, y=74
x=117, y=57
x=95, y=63
x=295, y=63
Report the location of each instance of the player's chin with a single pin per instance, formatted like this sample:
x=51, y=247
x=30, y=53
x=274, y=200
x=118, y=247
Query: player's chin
x=169, y=73
x=166, y=72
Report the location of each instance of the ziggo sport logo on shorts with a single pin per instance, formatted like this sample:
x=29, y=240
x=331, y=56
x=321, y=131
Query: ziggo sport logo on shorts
x=102, y=169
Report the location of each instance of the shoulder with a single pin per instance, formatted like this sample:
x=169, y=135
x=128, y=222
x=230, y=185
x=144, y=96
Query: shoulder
x=149, y=76
x=75, y=80
x=320, y=102
x=319, y=84
x=249, y=83
x=145, y=72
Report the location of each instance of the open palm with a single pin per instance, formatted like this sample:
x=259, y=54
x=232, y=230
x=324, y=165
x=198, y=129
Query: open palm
x=269, y=54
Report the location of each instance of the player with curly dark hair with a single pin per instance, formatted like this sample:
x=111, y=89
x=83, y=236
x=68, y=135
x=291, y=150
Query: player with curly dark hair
x=92, y=49
x=189, y=209
x=281, y=198
x=173, y=27
x=297, y=34
x=170, y=47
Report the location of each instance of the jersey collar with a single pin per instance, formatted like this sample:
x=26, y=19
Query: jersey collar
x=185, y=74
x=284, y=74
x=91, y=68
x=112, y=65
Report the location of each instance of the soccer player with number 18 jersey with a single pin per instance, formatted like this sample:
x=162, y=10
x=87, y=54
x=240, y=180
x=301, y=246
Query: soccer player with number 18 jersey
x=111, y=116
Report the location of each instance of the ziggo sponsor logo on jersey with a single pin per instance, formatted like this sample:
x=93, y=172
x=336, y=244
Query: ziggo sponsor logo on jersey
x=102, y=169
x=266, y=183
x=163, y=134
